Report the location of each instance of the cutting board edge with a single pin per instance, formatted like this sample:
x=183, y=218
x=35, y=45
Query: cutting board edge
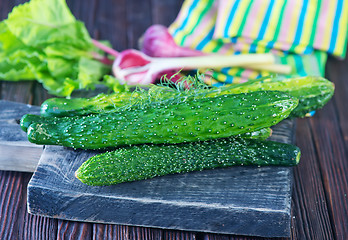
x=282, y=223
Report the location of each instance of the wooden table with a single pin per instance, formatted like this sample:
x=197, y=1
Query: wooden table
x=319, y=203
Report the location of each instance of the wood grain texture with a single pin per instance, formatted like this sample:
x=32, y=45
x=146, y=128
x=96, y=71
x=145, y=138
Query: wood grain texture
x=238, y=200
x=111, y=23
x=332, y=159
x=15, y=222
x=309, y=185
x=17, y=153
x=309, y=193
x=138, y=13
x=164, y=12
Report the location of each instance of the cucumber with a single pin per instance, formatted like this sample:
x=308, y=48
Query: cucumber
x=62, y=107
x=261, y=134
x=149, y=161
x=313, y=93
x=29, y=119
x=168, y=121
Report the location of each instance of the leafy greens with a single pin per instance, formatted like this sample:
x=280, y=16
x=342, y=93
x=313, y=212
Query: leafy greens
x=42, y=40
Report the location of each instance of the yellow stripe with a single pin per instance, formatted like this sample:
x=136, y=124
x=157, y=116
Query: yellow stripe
x=220, y=77
x=342, y=31
x=210, y=46
x=293, y=23
x=233, y=71
x=238, y=18
x=245, y=48
x=260, y=15
x=328, y=28
x=260, y=47
x=182, y=16
x=238, y=80
x=273, y=20
x=308, y=28
x=202, y=33
x=196, y=13
x=211, y=81
x=253, y=75
x=225, y=12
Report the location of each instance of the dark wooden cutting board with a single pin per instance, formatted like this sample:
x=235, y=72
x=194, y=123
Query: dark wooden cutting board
x=16, y=152
x=240, y=200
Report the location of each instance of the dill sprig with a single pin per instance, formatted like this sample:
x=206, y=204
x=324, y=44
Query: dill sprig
x=169, y=92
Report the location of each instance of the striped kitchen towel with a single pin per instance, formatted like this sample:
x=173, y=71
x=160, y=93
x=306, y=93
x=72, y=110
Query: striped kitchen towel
x=299, y=32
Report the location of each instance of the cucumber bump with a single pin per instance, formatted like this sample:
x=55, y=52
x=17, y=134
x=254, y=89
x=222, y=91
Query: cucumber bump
x=168, y=121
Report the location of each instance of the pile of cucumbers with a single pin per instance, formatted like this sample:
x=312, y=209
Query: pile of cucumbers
x=164, y=131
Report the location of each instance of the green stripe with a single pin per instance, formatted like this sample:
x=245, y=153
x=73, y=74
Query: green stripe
x=310, y=65
x=277, y=31
x=205, y=10
x=321, y=59
x=218, y=45
x=345, y=45
x=316, y=17
x=289, y=59
x=239, y=72
x=241, y=27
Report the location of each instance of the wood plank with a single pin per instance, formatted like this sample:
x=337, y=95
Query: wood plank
x=152, y=233
x=7, y=6
x=311, y=218
x=10, y=193
x=74, y=230
x=337, y=72
x=15, y=222
x=110, y=232
x=165, y=12
x=39, y=228
x=17, y=153
x=84, y=11
x=332, y=157
x=40, y=94
x=17, y=91
x=140, y=18
x=111, y=23
x=191, y=202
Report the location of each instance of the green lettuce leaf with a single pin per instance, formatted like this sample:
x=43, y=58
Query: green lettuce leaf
x=41, y=40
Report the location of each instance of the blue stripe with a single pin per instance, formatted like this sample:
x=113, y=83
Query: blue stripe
x=230, y=17
x=270, y=44
x=335, y=26
x=263, y=27
x=234, y=39
x=192, y=7
x=229, y=79
x=252, y=48
x=308, y=50
x=218, y=84
x=206, y=39
x=225, y=70
x=300, y=23
x=265, y=20
x=300, y=70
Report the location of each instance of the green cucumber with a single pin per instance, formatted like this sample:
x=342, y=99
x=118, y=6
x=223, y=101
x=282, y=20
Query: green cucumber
x=168, y=121
x=149, y=161
x=313, y=93
x=29, y=119
x=261, y=134
x=62, y=107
